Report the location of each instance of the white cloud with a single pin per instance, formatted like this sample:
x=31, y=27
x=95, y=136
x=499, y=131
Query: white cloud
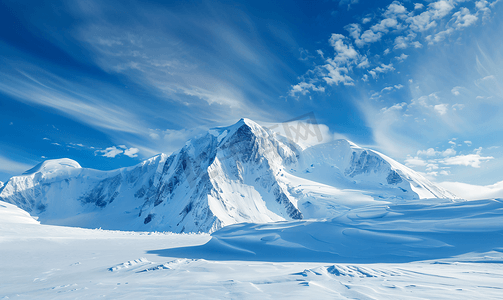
x=303, y=88
x=385, y=25
x=389, y=89
x=366, y=20
x=440, y=36
x=441, y=8
x=400, y=42
x=474, y=192
x=433, y=24
x=396, y=107
x=114, y=151
x=402, y=57
x=483, y=8
x=432, y=102
x=109, y=152
x=404, y=41
x=416, y=44
x=131, y=152
x=364, y=63
x=456, y=90
x=395, y=9
x=421, y=22
x=432, y=163
x=354, y=30
x=154, y=135
x=381, y=69
x=449, y=152
x=464, y=18
x=336, y=74
x=472, y=160
x=430, y=152
x=430, y=167
x=345, y=52
x=368, y=37
x=441, y=108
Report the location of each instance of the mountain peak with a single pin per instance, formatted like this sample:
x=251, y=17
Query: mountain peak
x=52, y=165
x=244, y=122
x=225, y=132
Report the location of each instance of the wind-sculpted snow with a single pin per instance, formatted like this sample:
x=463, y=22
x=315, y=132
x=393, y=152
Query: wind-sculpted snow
x=235, y=174
x=389, y=233
x=40, y=261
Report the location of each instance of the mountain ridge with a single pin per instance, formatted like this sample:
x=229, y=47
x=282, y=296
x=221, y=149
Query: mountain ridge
x=240, y=173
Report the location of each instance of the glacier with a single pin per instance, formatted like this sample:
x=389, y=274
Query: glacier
x=235, y=174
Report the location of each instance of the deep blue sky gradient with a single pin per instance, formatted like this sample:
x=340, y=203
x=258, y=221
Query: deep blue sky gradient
x=78, y=77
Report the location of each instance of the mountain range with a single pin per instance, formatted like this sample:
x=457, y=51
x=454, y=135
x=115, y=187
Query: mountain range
x=241, y=173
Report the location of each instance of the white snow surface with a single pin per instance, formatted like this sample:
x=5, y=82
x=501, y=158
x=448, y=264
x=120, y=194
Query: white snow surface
x=53, y=166
x=413, y=250
x=235, y=174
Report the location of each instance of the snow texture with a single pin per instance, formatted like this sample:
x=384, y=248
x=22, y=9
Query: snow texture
x=447, y=251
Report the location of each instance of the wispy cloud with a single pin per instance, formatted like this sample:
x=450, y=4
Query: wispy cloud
x=10, y=166
x=188, y=58
x=78, y=101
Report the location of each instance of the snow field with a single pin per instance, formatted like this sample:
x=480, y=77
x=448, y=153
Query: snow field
x=52, y=262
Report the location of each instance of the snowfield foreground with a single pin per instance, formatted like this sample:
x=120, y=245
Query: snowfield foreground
x=446, y=250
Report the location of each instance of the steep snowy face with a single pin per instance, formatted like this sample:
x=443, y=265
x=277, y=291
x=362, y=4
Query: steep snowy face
x=225, y=177
x=342, y=163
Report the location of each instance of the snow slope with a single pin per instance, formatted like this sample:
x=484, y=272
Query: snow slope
x=406, y=232
x=290, y=260
x=235, y=174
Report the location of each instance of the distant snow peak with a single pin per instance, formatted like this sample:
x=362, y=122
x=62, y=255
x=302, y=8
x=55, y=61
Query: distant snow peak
x=53, y=165
x=235, y=174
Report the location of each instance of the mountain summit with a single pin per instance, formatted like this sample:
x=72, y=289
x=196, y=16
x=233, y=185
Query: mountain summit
x=240, y=173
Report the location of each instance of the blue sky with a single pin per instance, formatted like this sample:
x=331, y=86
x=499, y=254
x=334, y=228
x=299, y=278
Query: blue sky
x=111, y=83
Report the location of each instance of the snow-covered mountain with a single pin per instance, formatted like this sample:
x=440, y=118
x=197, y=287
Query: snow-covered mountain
x=241, y=173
